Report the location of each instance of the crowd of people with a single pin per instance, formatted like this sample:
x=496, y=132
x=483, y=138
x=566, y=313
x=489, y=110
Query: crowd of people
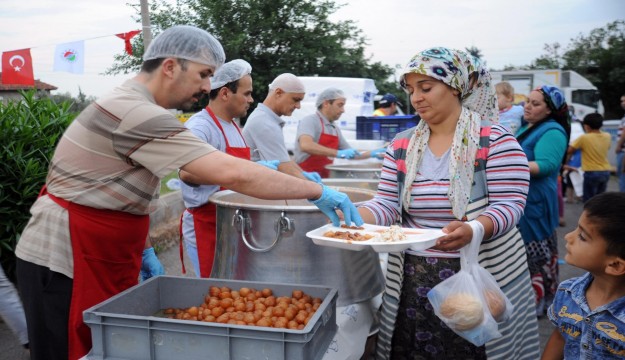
x=476, y=165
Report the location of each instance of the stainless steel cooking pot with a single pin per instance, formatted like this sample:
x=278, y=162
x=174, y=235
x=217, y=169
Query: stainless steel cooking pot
x=371, y=184
x=358, y=171
x=265, y=240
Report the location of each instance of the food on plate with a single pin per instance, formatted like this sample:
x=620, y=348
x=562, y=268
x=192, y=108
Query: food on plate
x=353, y=227
x=462, y=311
x=348, y=235
x=393, y=233
x=496, y=304
x=244, y=307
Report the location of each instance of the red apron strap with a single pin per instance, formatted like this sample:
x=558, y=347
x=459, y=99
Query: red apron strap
x=184, y=270
x=204, y=222
x=318, y=162
x=205, y=225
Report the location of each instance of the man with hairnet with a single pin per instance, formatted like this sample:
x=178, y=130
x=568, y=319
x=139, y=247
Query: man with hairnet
x=86, y=238
x=318, y=140
x=230, y=98
x=263, y=130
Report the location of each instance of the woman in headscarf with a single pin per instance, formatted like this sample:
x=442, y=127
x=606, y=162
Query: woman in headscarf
x=544, y=140
x=459, y=171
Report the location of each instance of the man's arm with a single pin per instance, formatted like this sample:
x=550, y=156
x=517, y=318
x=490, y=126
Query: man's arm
x=249, y=178
x=308, y=145
x=569, y=153
x=291, y=168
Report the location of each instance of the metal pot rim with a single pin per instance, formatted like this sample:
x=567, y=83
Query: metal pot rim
x=220, y=199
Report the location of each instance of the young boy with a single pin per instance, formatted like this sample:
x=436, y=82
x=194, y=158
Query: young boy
x=509, y=115
x=589, y=311
x=594, y=145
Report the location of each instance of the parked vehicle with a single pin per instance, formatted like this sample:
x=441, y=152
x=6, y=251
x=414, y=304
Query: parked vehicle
x=579, y=91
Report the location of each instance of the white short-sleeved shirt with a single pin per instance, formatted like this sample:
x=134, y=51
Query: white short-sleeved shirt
x=263, y=134
x=203, y=126
x=310, y=125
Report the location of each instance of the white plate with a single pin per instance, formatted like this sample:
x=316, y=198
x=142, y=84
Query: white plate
x=416, y=239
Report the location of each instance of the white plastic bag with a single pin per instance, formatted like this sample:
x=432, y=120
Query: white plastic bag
x=499, y=305
x=460, y=301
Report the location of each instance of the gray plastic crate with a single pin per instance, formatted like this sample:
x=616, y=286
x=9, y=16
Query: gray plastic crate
x=123, y=327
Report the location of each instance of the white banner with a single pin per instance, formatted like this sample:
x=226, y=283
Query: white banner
x=70, y=57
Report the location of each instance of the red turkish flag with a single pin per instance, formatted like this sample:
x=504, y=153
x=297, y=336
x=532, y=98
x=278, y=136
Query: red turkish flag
x=17, y=68
x=127, y=36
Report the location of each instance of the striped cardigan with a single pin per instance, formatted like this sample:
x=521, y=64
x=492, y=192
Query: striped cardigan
x=499, y=190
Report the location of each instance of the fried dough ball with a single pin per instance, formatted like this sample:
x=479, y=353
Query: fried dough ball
x=463, y=310
x=496, y=304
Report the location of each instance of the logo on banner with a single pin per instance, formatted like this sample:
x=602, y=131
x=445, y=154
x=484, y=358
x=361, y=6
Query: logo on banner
x=70, y=55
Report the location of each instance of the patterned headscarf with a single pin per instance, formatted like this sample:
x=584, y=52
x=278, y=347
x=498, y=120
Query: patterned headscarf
x=554, y=98
x=465, y=73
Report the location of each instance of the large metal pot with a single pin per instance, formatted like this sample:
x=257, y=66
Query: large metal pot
x=265, y=240
x=357, y=171
x=370, y=184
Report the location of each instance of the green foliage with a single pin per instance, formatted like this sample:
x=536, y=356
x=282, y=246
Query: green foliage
x=552, y=59
x=473, y=50
x=29, y=131
x=599, y=56
x=277, y=36
x=77, y=104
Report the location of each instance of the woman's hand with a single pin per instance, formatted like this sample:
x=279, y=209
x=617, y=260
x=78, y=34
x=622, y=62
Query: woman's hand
x=458, y=235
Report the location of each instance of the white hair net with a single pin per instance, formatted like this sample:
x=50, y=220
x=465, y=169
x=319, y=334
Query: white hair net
x=289, y=83
x=229, y=72
x=189, y=43
x=329, y=94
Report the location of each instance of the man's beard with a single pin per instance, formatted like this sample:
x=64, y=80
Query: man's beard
x=190, y=104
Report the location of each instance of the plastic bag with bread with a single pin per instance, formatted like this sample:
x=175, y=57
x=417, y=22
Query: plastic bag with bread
x=470, y=302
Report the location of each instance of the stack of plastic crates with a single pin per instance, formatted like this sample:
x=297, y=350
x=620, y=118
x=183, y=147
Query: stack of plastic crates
x=383, y=127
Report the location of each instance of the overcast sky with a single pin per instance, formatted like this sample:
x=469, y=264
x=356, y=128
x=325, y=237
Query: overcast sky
x=396, y=29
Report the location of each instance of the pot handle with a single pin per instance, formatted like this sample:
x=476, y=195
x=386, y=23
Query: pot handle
x=284, y=224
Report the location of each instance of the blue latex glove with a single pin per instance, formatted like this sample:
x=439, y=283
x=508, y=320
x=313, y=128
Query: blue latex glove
x=378, y=153
x=331, y=199
x=312, y=176
x=347, y=153
x=150, y=265
x=272, y=164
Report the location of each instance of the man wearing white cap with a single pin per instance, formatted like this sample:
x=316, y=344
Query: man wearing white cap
x=86, y=237
x=318, y=139
x=263, y=130
x=230, y=98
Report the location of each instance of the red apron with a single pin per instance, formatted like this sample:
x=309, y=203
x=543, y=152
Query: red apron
x=107, y=246
x=204, y=217
x=318, y=162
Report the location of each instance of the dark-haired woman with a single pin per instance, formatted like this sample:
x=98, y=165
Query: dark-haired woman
x=544, y=140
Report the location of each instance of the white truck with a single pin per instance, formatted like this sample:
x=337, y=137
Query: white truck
x=360, y=93
x=579, y=91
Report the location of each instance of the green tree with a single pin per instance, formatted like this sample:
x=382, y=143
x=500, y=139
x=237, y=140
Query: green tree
x=29, y=131
x=552, y=59
x=473, y=50
x=599, y=56
x=276, y=36
x=77, y=104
